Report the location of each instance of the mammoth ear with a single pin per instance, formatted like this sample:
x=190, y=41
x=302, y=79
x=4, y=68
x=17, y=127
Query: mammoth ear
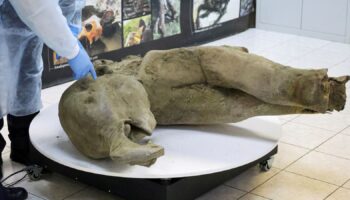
x=128, y=152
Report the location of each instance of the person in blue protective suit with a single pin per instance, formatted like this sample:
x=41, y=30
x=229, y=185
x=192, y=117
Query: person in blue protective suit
x=24, y=26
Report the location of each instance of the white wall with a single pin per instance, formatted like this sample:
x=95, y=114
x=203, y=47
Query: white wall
x=325, y=19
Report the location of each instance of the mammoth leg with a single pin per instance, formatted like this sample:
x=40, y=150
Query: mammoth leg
x=269, y=81
x=221, y=105
x=124, y=150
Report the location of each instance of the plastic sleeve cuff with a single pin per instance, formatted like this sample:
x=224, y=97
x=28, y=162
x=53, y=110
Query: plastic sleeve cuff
x=74, y=53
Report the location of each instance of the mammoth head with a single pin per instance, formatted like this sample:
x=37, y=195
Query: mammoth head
x=108, y=118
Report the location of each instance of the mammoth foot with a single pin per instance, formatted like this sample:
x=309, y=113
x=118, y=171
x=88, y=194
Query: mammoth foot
x=135, y=154
x=337, y=94
x=319, y=93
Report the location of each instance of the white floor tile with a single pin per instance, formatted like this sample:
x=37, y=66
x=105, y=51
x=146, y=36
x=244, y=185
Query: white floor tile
x=287, y=118
x=347, y=184
x=338, y=146
x=93, y=194
x=342, y=69
x=310, y=42
x=318, y=59
x=308, y=62
x=227, y=41
x=10, y=167
x=275, y=57
x=222, y=193
x=254, y=44
x=338, y=47
x=335, y=121
x=251, y=178
x=6, y=150
x=287, y=154
x=252, y=32
x=304, y=136
x=5, y=133
x=266, y=35
x=331, y=57
x=290, y=49
x=275, y=37
x=287, y=186
x=53, y=187
x=323, y=167
x=33, y=197
x=340, y=194
x=346, y=131
x=252, y=197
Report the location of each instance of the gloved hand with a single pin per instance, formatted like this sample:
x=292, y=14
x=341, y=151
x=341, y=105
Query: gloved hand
x=82, y=65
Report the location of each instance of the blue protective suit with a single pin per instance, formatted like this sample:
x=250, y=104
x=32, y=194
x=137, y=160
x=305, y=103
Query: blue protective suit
x=24, y=26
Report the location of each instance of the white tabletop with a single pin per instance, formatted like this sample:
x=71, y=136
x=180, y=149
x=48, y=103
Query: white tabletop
x=189, y=150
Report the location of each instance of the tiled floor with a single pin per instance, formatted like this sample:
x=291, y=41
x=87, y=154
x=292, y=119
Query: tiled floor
x=313, y=162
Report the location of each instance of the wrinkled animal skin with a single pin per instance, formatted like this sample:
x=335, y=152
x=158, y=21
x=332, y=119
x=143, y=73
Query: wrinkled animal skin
x=109, y=117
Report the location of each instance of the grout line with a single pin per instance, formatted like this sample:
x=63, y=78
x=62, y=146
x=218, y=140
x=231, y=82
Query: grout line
x=313, y=50
x=284, y=169
x=245, y=192
x=317, y=127
x=234, y=187
x=311, y=178
x=76, y=192
x=37, y=196
x=332, y=193
x=345, y=182
x=255, y=195
x=337, y=133
x=295, y=145
x=333, y=155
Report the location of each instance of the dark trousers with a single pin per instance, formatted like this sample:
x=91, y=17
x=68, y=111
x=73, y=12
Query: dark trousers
x=2, y=145
x=19, y=135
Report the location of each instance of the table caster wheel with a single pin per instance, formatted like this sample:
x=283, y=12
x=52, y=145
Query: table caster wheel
x=34, y=172
x=266, y=164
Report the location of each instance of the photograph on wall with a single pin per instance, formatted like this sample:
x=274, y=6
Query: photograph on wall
x=101, y=28
x=247, y=7
x=136, y=8
x=210, y=13
x=137, y=31
x=165, y=18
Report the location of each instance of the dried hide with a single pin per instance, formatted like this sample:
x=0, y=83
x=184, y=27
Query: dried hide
x=198, y=85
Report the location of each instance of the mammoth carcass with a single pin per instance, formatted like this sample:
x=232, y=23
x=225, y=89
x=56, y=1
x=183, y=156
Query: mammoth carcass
x=109, y=117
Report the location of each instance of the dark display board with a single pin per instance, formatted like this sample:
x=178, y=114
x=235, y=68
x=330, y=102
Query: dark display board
x=113, y=29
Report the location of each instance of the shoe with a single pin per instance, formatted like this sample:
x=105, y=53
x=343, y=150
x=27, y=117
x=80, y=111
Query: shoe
x=15, y=193
x=19, y=135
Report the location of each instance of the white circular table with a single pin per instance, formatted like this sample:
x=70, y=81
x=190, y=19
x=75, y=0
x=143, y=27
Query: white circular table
x=189, y=150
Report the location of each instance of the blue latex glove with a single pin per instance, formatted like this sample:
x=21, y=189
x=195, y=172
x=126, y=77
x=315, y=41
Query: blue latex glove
x=81, y=65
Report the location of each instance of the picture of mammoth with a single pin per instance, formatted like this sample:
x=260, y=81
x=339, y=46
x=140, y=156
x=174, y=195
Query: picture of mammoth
x=110, y=117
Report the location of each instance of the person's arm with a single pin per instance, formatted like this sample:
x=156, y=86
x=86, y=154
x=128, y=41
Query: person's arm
x=45, y=18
